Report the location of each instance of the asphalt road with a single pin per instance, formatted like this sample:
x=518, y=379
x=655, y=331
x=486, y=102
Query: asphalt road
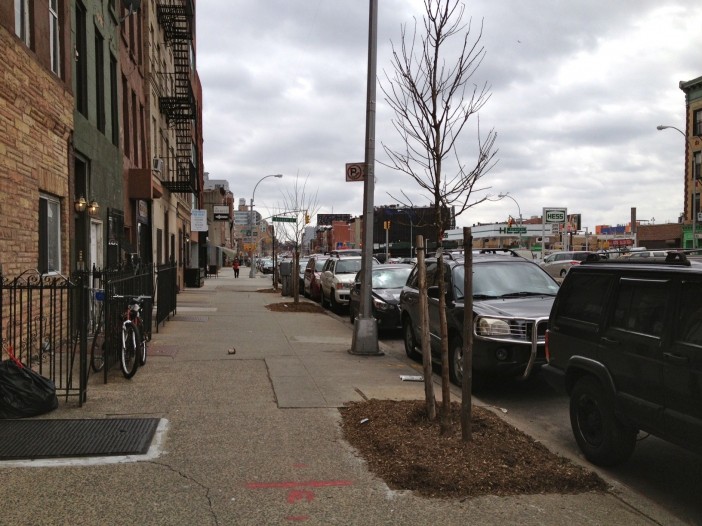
x=663, y=472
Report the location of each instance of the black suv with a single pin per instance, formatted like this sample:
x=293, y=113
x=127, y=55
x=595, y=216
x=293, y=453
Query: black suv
x=625, y=342
x=512, y=298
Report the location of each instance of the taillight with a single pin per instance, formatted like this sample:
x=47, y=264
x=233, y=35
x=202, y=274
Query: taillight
x=548, y=354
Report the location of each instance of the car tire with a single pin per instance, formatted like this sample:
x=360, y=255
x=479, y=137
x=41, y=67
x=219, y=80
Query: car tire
x=563, y=272
x=410, y=340
x=603, y=439
x=456, y=360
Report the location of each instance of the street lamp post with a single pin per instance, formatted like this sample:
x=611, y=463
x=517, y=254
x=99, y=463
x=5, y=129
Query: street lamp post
x=694, y=185
x=520, y=214
x=252, y=273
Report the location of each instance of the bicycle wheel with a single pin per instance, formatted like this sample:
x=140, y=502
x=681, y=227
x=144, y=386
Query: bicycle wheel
x=97, y=348
x=141, y=341
x=129, y=359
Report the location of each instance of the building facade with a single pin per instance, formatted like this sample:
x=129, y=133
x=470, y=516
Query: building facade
x=36, y=136
x=692, y=230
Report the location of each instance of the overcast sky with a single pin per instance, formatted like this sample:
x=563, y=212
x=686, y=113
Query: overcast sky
x=578, y=88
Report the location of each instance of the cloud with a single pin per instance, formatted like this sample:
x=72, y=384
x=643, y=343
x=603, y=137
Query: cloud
x=577, y=91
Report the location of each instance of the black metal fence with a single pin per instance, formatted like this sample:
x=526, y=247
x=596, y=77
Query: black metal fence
x=48, y=321
x=39, y=328
x=166, y=289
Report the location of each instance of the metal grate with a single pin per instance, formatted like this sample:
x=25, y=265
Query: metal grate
x=34, y=439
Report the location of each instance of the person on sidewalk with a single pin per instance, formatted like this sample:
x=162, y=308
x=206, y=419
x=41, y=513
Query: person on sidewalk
x=235, y=266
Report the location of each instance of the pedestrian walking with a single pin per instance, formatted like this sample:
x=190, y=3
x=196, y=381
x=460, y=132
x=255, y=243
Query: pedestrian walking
x=235, y=266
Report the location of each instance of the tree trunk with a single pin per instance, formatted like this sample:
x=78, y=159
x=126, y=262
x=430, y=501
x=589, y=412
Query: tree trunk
x=424, y=324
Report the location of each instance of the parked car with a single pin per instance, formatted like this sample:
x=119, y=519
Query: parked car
x=337, y=276
x=512, y=298
x=313, y=271
x=386, y=284
x=625, y=341
x=647, y=254
x=559, y=263
x=266, y=265
x=301, y=273
x=344, y=252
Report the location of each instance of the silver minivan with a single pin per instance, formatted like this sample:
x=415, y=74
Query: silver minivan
x=557, y=264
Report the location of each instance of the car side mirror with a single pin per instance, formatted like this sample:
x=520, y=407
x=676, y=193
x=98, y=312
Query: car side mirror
x=433, y=292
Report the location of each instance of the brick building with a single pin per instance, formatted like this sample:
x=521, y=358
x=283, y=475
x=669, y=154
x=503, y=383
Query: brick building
x=36, y=121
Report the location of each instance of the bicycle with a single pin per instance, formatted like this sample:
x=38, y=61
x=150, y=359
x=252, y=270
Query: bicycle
x=131, y=334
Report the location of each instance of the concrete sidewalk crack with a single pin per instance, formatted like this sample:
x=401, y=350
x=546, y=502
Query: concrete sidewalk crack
x=191, y=479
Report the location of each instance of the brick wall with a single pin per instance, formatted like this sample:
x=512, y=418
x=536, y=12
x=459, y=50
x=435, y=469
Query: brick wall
x=36, y=119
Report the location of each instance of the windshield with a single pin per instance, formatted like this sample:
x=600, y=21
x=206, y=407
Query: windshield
x=348, y=266
x=319, y=264
x=390, y=278
x=498, y=279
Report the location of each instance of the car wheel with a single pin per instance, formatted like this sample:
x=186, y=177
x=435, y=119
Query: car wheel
x=456, y=360
x=410, y=340
x=563, y=272
x=603, y=439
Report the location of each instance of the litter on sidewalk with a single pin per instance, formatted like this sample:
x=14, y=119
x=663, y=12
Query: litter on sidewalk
x=411, y=378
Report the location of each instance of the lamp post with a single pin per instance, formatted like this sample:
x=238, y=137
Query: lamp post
x=520, y=214
x=694, y=185
x=252, y=273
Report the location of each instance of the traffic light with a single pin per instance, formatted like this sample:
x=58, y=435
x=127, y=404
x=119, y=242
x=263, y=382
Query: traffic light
x=386, y=225
x=307, y=219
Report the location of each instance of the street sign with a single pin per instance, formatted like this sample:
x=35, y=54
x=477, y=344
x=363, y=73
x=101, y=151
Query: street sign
x=198, y=220
x=513, y=230
x=281, y=219
x=355, y=172
x=220, y=213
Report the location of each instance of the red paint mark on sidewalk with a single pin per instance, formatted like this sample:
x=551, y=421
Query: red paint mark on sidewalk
x=307, y=484
x=297, y=492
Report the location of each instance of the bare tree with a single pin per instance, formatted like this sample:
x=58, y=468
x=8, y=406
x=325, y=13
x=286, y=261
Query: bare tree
x=433, y=101
x=300, y=204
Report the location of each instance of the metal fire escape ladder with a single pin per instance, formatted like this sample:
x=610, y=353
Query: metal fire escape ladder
x=179, y=106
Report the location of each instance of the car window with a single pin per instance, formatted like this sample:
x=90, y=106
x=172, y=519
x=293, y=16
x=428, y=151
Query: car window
x=640, y=306
x=583, y=297
x=498, y=278
x=432, y=271
x=689, y=326
x=580, y=256
x=319, y=264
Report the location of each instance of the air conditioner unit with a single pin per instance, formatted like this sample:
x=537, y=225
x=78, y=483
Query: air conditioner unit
x=157, y=164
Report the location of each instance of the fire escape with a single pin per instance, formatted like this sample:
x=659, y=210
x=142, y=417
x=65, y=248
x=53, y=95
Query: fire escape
x=178, y=105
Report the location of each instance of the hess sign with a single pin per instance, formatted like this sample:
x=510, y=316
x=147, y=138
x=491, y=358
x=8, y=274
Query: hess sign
x=555, y=215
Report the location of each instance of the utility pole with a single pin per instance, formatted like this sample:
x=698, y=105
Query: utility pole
x=365, y=329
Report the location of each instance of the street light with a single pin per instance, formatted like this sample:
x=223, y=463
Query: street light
x=251, y=221
x=501, y=196
x=694, y=185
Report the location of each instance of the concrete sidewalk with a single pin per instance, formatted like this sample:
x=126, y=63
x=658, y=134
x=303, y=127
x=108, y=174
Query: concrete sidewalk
x=251, y=436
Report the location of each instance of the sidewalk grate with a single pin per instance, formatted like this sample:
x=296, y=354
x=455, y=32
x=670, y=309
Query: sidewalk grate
x=34, y=439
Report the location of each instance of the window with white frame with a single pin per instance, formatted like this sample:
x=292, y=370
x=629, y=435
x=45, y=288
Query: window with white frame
x=22, y=20
x=49, y=234
x=54, y=44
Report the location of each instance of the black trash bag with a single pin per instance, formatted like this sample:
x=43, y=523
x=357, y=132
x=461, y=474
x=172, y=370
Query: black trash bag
x=24, y=392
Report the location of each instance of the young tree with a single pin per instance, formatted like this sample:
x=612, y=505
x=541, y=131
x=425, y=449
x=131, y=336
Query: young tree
x=302, y=205
x=433, y=100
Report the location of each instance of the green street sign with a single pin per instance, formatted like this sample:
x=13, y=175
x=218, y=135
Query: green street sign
x=281, y=219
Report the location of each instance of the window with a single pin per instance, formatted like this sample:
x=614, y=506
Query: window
x=100, y=80
x=689, y=327
x=54, y=44
x=697, y=123
x=697, y=165
x=114, y=115
x=22, y=20
x=49, y=234
x=81, y=60
x=584, y=297
x=125, y=116
x=640, y=306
